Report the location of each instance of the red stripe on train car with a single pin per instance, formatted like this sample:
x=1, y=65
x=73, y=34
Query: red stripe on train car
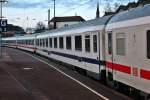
x=109, y=65
x=118, y=67
x=145, y=74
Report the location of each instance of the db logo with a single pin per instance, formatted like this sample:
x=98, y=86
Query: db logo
x=135, y=71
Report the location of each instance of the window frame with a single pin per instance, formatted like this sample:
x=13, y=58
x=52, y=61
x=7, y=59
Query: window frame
x=69, y=46
x=77, y=46
x=119, y=36
x=61, y=42
x=46, y=42
x=55, y=43
x=50, y=42
x=95, y=48
x=87, y=39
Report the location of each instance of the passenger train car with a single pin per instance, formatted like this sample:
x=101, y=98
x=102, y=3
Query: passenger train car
x=127, y=48
x=114, y=48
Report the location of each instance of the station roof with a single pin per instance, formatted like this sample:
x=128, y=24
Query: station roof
x=67, y=19
x=141, y=11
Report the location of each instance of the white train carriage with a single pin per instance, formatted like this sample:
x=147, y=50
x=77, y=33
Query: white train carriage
x=10, y=42
x=27, y=42
x=128, y=48
x=79, y=45
x=22, y=42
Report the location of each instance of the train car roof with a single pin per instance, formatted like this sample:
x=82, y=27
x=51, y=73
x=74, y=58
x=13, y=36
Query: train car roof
x=141, y=11
x=91, y=25
x=95, y=24
x=27, y=37
x=9, y=38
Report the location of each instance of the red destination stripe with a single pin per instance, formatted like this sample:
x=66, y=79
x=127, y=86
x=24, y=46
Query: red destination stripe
x=145, y=74
x=118, y=67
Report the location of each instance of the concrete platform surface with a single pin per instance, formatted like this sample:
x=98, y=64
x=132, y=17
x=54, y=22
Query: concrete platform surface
x=23, y=77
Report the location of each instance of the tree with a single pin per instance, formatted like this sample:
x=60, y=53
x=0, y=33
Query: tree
x=108, y=7
x=13, y=30
x=40, y=27
x=11, y=27
x=115, y=6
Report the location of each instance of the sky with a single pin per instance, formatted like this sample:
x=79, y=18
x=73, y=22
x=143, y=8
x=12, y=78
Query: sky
x=26, y=13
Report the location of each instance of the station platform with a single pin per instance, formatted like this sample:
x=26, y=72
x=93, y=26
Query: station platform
x=22, y=77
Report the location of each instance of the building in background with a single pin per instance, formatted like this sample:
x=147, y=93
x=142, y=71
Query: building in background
x=64, y=21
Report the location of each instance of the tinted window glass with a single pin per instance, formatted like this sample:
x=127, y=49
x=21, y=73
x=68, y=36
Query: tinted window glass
x=120, y=44
x=61, y=42
x=68, y=43
x=50, y=42
x=110, y=43
x=148, y=44
x=55, y=42
x=95, y=43
x=87, y=43
x=78, y=43
x=46, y=42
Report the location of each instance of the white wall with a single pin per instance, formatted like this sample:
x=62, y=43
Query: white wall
x=62, y=24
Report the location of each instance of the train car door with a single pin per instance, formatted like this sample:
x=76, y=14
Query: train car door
x=109, y=62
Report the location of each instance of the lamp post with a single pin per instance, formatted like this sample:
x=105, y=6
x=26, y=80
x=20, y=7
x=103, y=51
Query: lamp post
x=1, y=4
x=1, y=17
x=54, y=15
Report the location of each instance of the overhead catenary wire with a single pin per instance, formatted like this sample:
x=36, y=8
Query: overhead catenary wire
x=75, y=7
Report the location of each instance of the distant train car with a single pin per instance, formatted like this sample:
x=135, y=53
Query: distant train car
x=27, y=43
x=11, y=42
x=128, y=50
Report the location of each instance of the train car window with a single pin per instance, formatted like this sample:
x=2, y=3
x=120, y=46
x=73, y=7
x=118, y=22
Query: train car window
x=43, y=42
x=24, y=41
x=109, y=43
x=120, y=44
x=61, y=42
x=40, y=42
x=68, y=43
x=32, y=42
x=94, y=43
x=46, y=42
x=148, y=44
x=78, y=43
x=87, y=43
x=50, y=42
x=29, y=42
x=37, y=42
x=55, y=42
